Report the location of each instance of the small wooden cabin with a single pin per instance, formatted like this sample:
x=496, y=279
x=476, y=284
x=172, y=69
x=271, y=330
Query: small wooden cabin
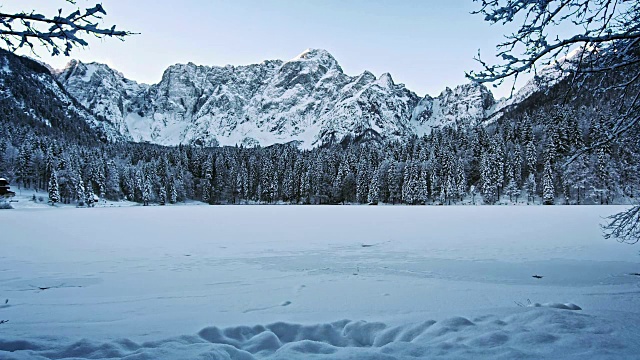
x=5, y=188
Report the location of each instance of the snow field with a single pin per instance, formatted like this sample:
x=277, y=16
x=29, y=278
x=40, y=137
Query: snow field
x=275, y=282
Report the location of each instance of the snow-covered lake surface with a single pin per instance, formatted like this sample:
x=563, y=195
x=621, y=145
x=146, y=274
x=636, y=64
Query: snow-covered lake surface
x=298, y=282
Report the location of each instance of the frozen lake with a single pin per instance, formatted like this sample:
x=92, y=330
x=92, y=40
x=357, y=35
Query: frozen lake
x=150, y=273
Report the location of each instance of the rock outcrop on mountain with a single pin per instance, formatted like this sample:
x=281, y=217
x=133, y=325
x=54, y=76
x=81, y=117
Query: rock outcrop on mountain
x=308, y=99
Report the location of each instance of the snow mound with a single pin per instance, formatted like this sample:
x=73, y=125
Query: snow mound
x=566, y=306
x=540, y=332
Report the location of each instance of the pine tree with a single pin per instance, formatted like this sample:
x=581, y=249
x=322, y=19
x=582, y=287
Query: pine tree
x=207, y=182
x=499, y=164
x=206, y=191
x=112, y=181
x=54, y=194
x=435, y=188
x=288, y=185
x=162, y=195
x=394, y=176
x=423, y=185
x=517, y=165
x=531, y=156
x=512, y=190
x=336, y=188
x=603, y=175
x=576, y=176
x=363, y=179
x=531, y=187
x=90, y=198
x=146, y=192
x=348, y=187
x=408, y=184
x=488, y=178
x=548, y=191
x=305, y=187
x=80, y=191
x=139, y=186
x=374, y=190
x=461, y=180
x=24, y=168
x=173, y=193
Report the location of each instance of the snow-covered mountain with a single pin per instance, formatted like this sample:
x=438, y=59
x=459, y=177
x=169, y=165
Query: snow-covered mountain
x=307, y=99
x=103, y=91
x=29, y=92
x=465, y=105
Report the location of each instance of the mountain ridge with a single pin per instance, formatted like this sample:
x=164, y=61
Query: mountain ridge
x=308, y=99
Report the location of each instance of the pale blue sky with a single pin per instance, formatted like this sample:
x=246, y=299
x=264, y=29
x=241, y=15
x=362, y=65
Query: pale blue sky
x=425, y=44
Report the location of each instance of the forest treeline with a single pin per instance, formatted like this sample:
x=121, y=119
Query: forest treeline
x=523, y=159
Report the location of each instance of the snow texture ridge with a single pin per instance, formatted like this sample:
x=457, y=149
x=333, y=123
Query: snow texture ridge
x=534, y=333
x=308, y=99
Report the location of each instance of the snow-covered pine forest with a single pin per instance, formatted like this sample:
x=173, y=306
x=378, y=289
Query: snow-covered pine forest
x=520, y=160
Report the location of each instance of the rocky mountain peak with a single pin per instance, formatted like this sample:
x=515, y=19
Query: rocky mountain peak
x=465, y=105
x=386, y=80
x=471, y=91
x=319, y=56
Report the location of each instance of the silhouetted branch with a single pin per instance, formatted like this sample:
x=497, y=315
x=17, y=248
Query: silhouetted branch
x=58, y=33
x=624, y=226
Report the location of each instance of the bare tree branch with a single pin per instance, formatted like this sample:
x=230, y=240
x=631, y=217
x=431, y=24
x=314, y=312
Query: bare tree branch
x=603, y=23
x=59, y=34
x=624, y=226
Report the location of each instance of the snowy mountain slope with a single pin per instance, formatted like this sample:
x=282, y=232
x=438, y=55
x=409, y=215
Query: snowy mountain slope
x=307, y=99
x=465, y=105
x=102, y=90
x=29, y=91
x=542, y=82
